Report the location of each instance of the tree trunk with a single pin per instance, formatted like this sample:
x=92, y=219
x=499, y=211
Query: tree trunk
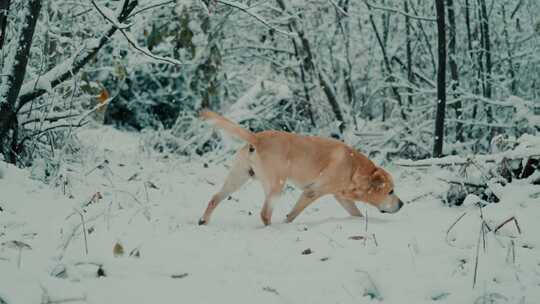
x=427, y=40
x=441, y=79
x=9, y=107
x=4, y=9
x=486, y=50
x=347, y=73
x=303, y=77
x=8, y=98
x=471, y=56
x=85, y=56
x=486, y=42
x=410, y=74
x=511, y=71
x=453, y=67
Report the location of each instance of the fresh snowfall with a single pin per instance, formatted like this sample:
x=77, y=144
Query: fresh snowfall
x=110, y=153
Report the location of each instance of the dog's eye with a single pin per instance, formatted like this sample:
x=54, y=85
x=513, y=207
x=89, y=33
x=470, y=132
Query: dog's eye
x=391, y=192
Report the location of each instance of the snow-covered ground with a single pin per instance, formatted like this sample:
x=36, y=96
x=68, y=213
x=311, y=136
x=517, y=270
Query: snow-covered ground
x=150, y=204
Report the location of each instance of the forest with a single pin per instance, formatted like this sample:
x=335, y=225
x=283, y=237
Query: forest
x=100, y=131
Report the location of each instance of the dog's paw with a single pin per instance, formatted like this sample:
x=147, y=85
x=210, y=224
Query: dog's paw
x=202, y=222
x=288, y=219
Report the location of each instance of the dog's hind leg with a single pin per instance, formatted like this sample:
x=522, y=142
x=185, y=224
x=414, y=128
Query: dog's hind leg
x=272, y=190
x=239, y=174
x=349, y=206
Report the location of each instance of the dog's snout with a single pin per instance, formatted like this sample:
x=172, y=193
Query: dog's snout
x=400, y=204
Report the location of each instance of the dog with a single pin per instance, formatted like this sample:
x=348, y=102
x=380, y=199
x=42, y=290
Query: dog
x=319, y=166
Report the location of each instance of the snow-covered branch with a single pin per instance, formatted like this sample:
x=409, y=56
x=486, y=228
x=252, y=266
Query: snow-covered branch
x=247, y=10
x=71, y=67
x=460, y=161
x=395, y=10
x=131, y=40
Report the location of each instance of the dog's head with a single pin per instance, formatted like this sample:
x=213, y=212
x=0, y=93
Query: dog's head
x=377, y=189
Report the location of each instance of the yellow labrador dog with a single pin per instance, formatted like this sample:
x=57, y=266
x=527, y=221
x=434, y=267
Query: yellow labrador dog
x=318, y=166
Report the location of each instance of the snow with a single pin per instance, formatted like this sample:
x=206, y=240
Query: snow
x=44, y=81
x=408, y=257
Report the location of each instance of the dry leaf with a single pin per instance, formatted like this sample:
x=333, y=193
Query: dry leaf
x=118, y=250
x=102, y=99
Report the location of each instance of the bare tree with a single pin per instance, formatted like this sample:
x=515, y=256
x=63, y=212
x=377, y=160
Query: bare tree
x=408, y=49
x=511, y=67
x=486, y=46
x=386, y=60
x=310, y=66
x=4, y=8
x=16, y=67
x=441, y=79
x=452, y=62
x=14, y=95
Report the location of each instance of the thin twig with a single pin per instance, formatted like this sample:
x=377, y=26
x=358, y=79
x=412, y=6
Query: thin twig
x=74, y=232
x=419, y=197
x=483, y=220
x=115, y=23
x=81, y=13
x=66, y=300
x=483, y=230
x=338, y=8
x=512, y=218
x=133, y=43
x=367, y=220
x=375, y=291
x=477, y=255
x=511, y=255
x=84, y=230
x=151, y=7
x=50, y=128
x=259, y=18
x=463, y=183
x=454, y=223
x=453, y=161
x=394, y=10
x=331, y=239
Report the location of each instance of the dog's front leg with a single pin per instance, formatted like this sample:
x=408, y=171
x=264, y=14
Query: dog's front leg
x=349, y=206
x=307, y=197
x=266, y=212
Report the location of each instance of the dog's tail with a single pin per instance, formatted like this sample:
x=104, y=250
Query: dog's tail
x=229, y=126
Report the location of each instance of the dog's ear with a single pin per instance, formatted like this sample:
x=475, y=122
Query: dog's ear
x=377, y=180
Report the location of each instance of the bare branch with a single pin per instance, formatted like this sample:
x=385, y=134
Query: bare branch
x=132, y=42
x=454, y=224
x=62, y=73
x=394, y=10
x=151, y=7
x=460, y=161
x=116, y=23
x=53, y=117
x=338, y=8
x=256, y=16
x=512, y=218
